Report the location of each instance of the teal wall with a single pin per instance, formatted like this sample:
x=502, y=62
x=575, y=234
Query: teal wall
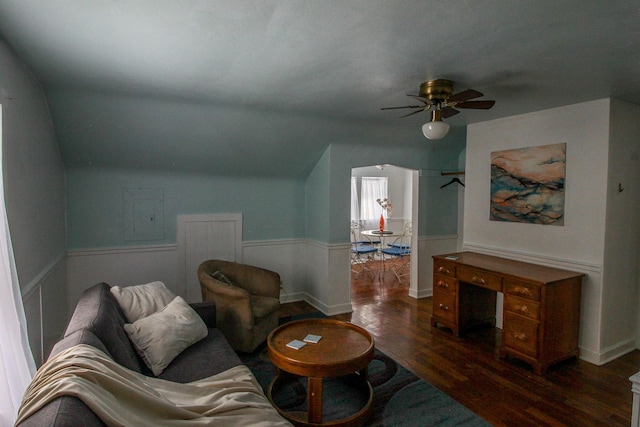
x=437, y=208
x=316, y=207
x=272, y=208
x=318, y=199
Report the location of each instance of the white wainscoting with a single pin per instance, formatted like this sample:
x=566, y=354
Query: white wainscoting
x=288, y=257
x=311, y=271
x=45, y=306
x=134, y=265
x=123, y=266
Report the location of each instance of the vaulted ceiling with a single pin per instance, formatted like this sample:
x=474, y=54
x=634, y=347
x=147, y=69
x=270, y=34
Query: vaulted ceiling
x=262, y=87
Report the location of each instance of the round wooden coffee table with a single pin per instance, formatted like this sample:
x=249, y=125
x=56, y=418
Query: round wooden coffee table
x=344, y=349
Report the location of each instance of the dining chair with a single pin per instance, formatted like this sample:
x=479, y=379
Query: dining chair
x=400, y=251
x=361, y=254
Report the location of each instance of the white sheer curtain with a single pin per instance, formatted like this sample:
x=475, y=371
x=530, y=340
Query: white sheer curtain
x=373, y=188
x=355, y=205
x=17, y=366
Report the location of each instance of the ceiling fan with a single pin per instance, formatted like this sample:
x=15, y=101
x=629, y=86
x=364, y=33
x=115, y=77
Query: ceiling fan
x=437, y=96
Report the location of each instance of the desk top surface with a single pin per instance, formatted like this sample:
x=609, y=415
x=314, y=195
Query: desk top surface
x=517, y=269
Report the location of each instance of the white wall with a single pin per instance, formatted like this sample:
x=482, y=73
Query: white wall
x=585, y=130
x=619, y=298
x=579, y=245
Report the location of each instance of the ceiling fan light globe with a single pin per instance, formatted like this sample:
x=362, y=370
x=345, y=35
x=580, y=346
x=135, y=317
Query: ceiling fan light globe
x=435, y=129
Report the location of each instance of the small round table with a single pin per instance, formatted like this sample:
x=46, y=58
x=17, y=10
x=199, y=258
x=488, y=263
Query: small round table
x=344, y=349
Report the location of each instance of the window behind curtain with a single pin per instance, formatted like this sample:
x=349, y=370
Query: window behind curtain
x=373, y=188
x=355, y=205
x=16, y=361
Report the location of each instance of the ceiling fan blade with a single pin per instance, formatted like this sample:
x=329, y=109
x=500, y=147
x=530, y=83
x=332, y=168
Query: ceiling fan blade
x=448, y=112
x=421, y=99
x=411, y=114
x=407, y=106
x=465, y=95
x=482, y=105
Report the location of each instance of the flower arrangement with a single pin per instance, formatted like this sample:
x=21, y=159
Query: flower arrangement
x=386, y=205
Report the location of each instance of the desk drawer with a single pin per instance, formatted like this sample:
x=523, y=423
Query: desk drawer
x=444, y=306
x=520, y=334
x=445, y=268
x=522, y=289
x=480, y=278
x=522, y=306
x=444, y=283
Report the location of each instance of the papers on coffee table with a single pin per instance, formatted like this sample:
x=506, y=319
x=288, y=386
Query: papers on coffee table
x=296, y=344
x=312, y=338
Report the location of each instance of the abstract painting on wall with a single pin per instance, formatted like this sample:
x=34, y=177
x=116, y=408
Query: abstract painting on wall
x=527, y=184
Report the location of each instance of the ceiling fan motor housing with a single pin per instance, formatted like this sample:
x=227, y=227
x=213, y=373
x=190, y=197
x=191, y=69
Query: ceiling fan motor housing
x=436, y=90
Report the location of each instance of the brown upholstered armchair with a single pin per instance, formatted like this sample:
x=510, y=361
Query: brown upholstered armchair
x=247, y=301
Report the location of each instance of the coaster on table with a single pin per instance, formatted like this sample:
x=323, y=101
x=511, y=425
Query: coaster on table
x=296, y=344
x=312, y=338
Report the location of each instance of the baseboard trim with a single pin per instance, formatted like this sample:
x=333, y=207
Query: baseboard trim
x=612, y=352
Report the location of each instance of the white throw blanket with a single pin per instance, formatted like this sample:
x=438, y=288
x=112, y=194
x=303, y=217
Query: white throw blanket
x=121, y=397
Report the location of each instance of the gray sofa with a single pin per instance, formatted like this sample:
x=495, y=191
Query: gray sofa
x=98, y=321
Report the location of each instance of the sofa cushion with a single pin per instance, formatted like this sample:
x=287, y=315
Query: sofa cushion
x=203, y=359
x=207, y=311
x=99, y=312
x=162, y=336
x=140, y=301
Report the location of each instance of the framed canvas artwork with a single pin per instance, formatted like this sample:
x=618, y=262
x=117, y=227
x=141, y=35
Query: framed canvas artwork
x=527, y=185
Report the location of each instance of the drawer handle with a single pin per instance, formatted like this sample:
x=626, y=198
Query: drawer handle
x=522, y=290
x=443, y=284
x=521, y=336
x=442, y=269
x=521, y=308
x=477, y=279
x=444, y=307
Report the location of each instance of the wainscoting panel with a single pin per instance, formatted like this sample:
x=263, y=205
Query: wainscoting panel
x=135, y=265
x=287, y=257
x=45, y=306
x=32, y=311
x=123, y=267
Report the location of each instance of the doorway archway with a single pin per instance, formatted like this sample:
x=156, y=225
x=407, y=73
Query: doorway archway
x=403, y=192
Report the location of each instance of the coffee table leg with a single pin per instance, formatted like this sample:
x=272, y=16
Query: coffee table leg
x=315, y=400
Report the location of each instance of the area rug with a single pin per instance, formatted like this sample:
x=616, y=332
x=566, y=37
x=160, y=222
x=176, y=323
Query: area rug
x=399, y=397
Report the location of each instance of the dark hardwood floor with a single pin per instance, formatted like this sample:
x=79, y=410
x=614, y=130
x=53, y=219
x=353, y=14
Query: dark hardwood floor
x=503, y=392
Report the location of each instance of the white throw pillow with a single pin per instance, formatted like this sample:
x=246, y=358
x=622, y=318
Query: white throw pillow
x=140, y=301
x=162, y=336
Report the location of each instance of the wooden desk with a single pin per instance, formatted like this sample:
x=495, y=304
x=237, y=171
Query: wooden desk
x=541, y=311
